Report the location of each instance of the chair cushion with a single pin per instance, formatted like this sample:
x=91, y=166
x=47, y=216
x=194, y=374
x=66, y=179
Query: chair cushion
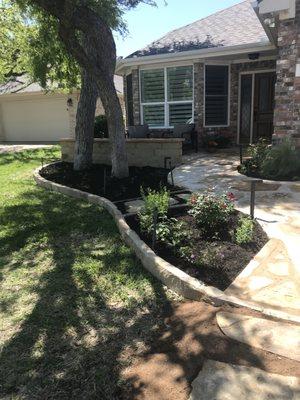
x=138, y=131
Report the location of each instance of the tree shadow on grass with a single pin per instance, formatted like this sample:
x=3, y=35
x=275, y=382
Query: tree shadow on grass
x=45, y=154
x=71, y=342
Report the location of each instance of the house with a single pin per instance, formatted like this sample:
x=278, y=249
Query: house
x=235, y=72
x=29, y=114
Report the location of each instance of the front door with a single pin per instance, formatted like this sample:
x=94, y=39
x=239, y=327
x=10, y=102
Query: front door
x=256, y=106
x=264, y=99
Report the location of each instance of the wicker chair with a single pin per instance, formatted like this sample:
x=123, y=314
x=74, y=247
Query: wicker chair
x=188, y=133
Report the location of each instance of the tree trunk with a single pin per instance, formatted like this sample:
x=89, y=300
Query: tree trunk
x=85, y=119
x=114, y=114
x=99, y=59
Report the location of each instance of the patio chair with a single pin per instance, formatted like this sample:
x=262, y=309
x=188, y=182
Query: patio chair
x=138, y=132
x=188, y=133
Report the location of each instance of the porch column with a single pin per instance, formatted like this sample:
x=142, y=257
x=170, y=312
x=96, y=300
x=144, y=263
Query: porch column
x=287, y=93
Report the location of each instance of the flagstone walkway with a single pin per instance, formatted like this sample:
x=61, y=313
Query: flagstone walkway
x=273, y=282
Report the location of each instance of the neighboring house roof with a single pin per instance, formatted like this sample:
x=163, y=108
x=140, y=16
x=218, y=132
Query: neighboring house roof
x=22, y=84
x=234, y=26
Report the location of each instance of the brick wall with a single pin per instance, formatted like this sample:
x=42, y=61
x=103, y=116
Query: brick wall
x=140, y=152
x=287, y=96
x=136, y=96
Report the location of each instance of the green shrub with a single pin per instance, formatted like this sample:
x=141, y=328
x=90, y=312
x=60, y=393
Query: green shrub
x=244, y=232
x=153, y=200
x=282, y=162
x=211, y=211
x=258, y=153
x=101, y=127
x=172, y=232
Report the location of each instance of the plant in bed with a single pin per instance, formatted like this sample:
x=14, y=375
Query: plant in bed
x=154, y=201
x=279, y=162
x=212, y=241
x=211, y=211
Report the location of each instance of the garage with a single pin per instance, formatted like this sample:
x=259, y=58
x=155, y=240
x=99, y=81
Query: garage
x=34, y=118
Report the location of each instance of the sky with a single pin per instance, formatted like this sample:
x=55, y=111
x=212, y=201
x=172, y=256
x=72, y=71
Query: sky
x=146, y=24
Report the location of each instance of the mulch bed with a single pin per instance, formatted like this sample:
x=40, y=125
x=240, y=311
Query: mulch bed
x=98, y=180
x=221, y=259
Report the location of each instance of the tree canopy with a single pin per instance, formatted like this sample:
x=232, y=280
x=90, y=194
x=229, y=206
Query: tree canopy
x=29, y=44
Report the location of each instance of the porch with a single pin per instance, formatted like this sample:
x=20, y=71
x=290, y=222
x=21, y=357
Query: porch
x=225, y=97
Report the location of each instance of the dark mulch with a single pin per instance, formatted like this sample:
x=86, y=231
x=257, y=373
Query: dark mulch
x=92, y=180
x=221, y=259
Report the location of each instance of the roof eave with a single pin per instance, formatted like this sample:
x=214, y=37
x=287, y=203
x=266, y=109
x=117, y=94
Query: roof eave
x=193, y=54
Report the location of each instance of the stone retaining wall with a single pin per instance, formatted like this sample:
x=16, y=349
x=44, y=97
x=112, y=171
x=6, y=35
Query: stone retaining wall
x=141, y=152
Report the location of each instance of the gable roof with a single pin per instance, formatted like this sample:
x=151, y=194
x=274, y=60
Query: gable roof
x=235, y=26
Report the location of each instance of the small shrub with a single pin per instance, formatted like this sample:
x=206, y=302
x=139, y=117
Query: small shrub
x=282, y=162
x=153, y=200
x=244, y=232
x=101, y=127
x=172, y=232
x=211, y=211
x=258, y=153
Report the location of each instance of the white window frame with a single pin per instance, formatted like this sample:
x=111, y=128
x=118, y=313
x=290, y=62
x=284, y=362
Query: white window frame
x=228, y=96
x=166, y=103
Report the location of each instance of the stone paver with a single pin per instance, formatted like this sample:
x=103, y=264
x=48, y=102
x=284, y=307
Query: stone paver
x=278, y=338
x=219, y=381
x=277, y=210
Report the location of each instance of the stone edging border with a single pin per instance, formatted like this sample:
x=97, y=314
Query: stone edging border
x=168, y=274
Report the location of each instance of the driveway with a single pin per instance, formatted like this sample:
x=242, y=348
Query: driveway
x=275, y=282
x=13, y=147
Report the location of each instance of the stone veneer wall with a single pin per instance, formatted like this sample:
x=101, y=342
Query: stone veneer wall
x=287, y=108
x=140, y=152
x=235, y=69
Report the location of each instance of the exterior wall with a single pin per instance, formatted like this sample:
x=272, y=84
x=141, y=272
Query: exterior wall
x=287, y=109
x=140, y=152
x=2, y=132
x=199, y=96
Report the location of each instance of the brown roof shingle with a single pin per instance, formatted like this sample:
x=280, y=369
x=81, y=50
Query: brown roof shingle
x=236, y=25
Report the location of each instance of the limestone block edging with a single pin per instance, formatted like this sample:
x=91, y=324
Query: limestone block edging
x=168, y=274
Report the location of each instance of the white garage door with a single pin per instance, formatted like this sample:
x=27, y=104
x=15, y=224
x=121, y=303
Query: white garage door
x=35, y=120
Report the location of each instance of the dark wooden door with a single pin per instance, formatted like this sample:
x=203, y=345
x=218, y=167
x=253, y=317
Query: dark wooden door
x=264, y=101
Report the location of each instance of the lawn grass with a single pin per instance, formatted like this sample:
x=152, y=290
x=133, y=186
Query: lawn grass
x=75, y=304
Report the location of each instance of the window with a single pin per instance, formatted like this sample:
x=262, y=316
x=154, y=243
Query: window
x=167, y=96
x=216, y=95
